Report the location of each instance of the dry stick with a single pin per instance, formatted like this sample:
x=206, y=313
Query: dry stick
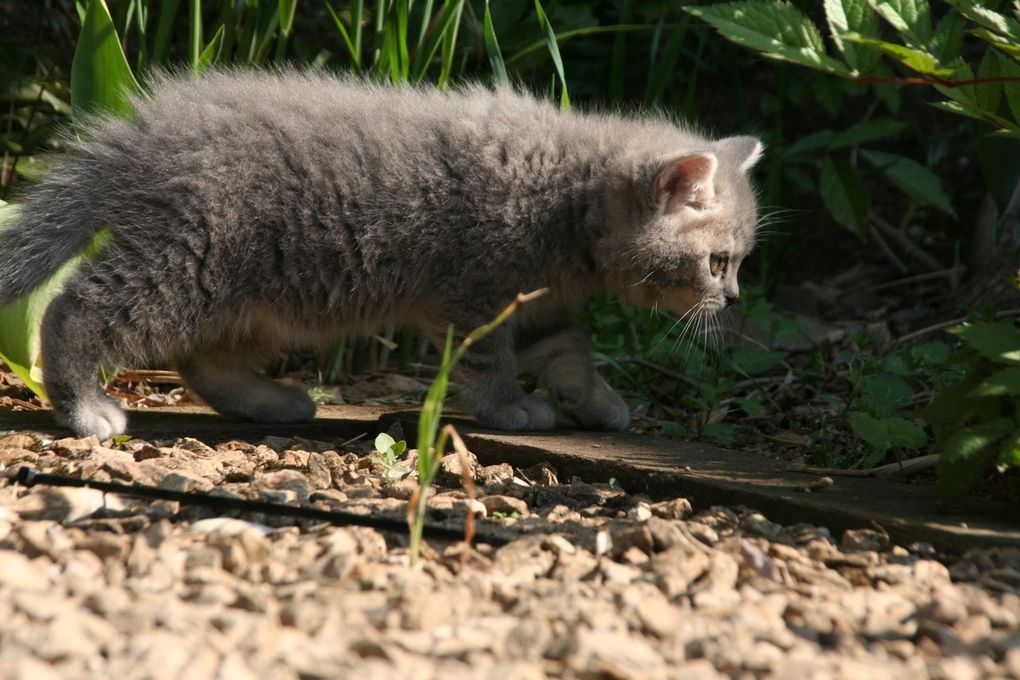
x=887, y=251
x=946, y=324
x=469, y=485
x=904, y=242
x=951, y=272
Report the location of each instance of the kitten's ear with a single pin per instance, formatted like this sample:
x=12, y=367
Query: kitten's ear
x=745, y=151
x=686, y=181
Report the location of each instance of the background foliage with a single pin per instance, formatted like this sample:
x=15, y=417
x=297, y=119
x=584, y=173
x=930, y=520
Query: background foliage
x=866, y=168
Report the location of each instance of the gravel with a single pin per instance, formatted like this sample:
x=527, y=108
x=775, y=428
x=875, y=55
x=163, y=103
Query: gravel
x=595, y=583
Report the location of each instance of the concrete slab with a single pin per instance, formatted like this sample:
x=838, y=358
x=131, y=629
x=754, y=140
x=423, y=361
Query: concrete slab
x=706, y=474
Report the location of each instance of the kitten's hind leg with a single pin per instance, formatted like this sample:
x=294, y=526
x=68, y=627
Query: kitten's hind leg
x=72, y=349
x=228, y=383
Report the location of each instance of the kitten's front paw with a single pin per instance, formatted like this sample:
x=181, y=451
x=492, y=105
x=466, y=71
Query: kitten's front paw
x=530, y=412
x=101, y=417
x=604, y=409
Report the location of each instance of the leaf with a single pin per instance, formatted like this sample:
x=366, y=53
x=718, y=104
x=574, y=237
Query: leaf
x=912, y=178
x=554, y=52
x=719, y=432
x=749, y=405
x=914, y=58
x=776, y=29
x=211, y=54
x=1005, y=382
x=845, y=194
x=857, y=16
x=287, y=8
x=870, y=430
x=948, y=39
x=988, y=95
x=20, y=321
x=383, y=442
x=911, y=18
x=351, y=48
x=1009, y=452
x=964, y=457
x=930, y=353
x=999, y=341
x=953, y=406
x=885, y=393
x=101, y=79
x=861, y=133
x=499, y=74
x=753, y=361
x=905, y=434
x=996, y=23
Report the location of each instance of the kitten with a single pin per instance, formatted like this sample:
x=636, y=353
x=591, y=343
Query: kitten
x=252, y=211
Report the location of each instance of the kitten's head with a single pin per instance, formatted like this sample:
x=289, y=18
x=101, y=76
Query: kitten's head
x=680, y=227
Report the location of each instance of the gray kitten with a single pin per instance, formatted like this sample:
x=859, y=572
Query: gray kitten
x=252, y=212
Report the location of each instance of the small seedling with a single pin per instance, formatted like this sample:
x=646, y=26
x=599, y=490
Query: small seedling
x=387, y=452
x=505, y=515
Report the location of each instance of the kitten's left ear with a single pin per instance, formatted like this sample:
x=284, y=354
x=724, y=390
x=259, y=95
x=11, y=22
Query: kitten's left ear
x=743, y=151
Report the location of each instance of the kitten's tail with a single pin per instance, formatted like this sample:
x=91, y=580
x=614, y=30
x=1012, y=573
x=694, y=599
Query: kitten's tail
x=56, y=223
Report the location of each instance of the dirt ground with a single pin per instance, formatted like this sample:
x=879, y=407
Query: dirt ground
x=595, y=583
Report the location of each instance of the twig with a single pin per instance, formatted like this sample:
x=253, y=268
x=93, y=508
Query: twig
x=468, y=480
x=26, y=476
x=815, y=470
x=904, y=242
x=952, y=272
x=946, y=324
x=887, y=251
x=645, y=363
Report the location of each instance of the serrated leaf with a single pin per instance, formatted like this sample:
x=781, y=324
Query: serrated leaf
x=885, y=393
x=998, y=42
x=857, y=16
x=1000, y=24
x=776, y=29
x=904, y=433
x=988, y=95
x=998, y=341
x=952, y=406
x=912, y=178
x=911, y=18
x=861, y=133
x=719, y=432
x=965, y=456
x=1005, y=382
x=914, y=58
x=845, y=194
x=101, y=79
x=754, y=361
x=870, y=430
x=930, y=353
x=948, y=39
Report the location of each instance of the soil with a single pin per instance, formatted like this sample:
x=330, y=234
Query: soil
x=593, y=583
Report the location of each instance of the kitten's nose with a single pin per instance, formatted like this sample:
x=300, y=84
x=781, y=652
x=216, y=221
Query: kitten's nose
x=732, y=299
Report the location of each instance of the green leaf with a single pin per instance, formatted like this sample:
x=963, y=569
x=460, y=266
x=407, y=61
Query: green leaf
x=861, y=133
x=914, y=58
x=499, y=74
x=930, y=353
x=953, y=406
x=988, y=95
x=870, y=430
x=554, y=52
x=905, y=434
x=753, y=361
x=776, y=29
x=1009, y=452
x=964, y=457
x=845, y=194
x=383, y=442
x=998, y=341
x=348, y=43
x=21, y=320
x=857, y=16
x=1005, y=382
x=287, y=8
x=194, y=32
x=719, y=432
x=101, y=79
x=164, y=30
x=885, y=393
x=750, y=405
x=1007, y=28
x=211, y=54
x=912, y=178
x=911, y=18
x=948, y=39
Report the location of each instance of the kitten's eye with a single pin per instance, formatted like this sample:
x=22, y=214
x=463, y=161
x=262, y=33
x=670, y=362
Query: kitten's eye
x=718, y=262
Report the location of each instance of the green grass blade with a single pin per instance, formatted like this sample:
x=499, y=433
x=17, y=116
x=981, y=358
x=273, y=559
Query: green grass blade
x=101, y=79
x=423, y=29
x=448, y=20
x=554, y=52
x=351, y=49
x=499, y=74
x=665, y=67
x=357, y=19
x=194, y=32
x=286, y=9
x=211, y=54
x=530, y=49
x=450, y=32
x=164, y=30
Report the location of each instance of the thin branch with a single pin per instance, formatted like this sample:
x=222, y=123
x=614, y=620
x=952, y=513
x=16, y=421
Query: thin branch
x=887, y=251
x=947, y=324
x=933, y=80
x=904, y=242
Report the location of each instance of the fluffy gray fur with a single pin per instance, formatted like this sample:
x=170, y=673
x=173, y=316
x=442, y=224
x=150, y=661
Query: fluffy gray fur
x=252, y=212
